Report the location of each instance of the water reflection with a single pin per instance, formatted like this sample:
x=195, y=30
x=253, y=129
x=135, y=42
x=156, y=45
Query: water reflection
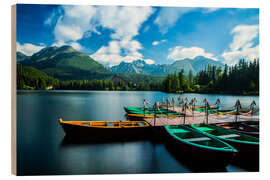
x=42, y=147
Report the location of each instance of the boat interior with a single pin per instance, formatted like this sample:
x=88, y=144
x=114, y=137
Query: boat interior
x=227, y=134
x=194, y=137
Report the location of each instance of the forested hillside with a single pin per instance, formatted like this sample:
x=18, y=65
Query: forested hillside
x=243, y=78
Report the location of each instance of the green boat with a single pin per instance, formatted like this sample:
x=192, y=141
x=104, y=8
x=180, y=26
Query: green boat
x=137, y=112
x=210, y=111
x=247, y=146
x=216, y=111
x=202, y=147
x=141, y=110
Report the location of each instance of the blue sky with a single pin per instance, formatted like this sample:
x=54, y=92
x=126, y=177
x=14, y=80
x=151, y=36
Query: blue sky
x=160, y=35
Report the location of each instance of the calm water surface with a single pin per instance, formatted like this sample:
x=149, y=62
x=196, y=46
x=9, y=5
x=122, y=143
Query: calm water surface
x=42, y=147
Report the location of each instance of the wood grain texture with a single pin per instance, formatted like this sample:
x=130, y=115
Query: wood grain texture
x=13, y=92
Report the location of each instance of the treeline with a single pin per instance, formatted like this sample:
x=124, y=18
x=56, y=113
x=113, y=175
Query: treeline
x=31, y=78
x=34, y=79
x=242, y=78
x=108, y=85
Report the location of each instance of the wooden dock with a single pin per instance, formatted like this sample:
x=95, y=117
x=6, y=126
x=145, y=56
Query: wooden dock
x=197, y=118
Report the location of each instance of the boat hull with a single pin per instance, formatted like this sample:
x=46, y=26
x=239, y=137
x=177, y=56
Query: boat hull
x=210, y=157
x=248, y=152
x=142, y=116
x=84, y=132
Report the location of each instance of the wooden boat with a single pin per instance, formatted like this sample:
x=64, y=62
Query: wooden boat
x=203, y=107
x=217, y=111
x=210, y=111
x=202, y=147
x=242, y=127
x=140, y=110
x=247, y=146
x=140, y=113
x=153, y=112
x=140, y=116
x=105, y=129
x=254, y=124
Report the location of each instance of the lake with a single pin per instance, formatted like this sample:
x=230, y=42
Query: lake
x=42, y=148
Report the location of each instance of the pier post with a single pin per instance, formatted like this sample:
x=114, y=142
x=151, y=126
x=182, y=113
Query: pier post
x=144, y=105
x=184, y=109
x=173, y=103
x=193, y=106
x=206, y=104
x=238, y=106
x=217, y=104
x=253, y=103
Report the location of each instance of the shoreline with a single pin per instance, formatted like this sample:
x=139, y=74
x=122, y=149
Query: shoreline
x=53, y=90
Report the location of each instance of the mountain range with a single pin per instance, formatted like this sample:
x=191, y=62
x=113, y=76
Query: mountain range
x=65, y=63
x=140, y=66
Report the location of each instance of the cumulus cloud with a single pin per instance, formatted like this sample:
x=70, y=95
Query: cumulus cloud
x=243, y=36
x=154, y=43
x=243, y=44
x=117, y=51
x=149, y=61
x=168, y=16
x=77, y=22
x=75, y=45
x=125, y=21
x=27, y=48
x=74, y=21
x=249, y=54
x=180, y=53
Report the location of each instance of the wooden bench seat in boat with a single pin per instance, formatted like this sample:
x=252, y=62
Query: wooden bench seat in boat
x=176, y=131
x=229, y=136
x=206, y=138
x=198, y=139
x=205, y=129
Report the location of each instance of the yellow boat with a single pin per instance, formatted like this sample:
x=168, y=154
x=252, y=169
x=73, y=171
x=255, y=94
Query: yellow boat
x=105, y=129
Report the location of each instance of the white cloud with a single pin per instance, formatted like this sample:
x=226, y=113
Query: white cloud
x=242, y=46
x=28, y=49
x=50, y=19
x=168, y=16
x=149, y=61
x=75, y=45
x=118, y=51
x=125, y=21
x=249, y=54
x=209, y=10
x=243, y=36
x=180, y=53
x=154, y=43
x=74, y=22
x=77, y=20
